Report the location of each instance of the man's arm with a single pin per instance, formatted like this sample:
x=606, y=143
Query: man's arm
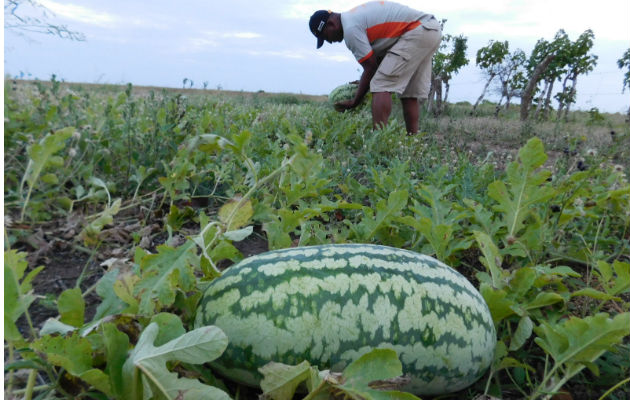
x=370, y=65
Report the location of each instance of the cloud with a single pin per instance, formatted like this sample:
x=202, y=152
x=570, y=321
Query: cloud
x=82, y=14
x=494, y=18
x=274, y=53
x=302, y=54
x=342, y=58
x=241, y=35
x=100, y=18
x=211, y=39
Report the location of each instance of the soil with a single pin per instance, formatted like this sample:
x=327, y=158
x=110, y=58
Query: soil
x=57, y=247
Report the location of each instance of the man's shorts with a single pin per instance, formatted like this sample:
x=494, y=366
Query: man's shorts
x=406, y=67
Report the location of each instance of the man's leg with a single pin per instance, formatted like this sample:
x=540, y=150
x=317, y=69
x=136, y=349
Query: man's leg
x=381, y=108
x=411, y=113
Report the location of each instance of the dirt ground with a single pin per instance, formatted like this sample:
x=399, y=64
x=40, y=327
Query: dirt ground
x=56, y=246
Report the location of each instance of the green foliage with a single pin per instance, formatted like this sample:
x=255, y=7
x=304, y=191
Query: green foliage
x=576, y=343
x=624, y=62
x=18, y=294
x=372, y=376
x=162, y=274
x=492, y=55
x=43, y=156
x=145, y=375
x=525, y=188
x=544, y=239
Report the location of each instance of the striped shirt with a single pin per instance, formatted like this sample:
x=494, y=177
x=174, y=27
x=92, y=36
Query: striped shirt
x=374, y=27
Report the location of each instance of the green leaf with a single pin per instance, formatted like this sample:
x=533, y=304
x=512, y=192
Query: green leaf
x=18, y=295
x=124, y=287
x=509, y=362
x=239, y=234
x=280, y=381
x=491, y=258
x=594, y=294
x=50, y=179
x=74, y=354
x=385, y=211
x=236, y=213
x=622, y=281
x=169, y=327
x=525, y=187
x=210, y=143
x=52, y=325
x=605, y=271
x=71, y=307
x=42, y=154
x=499, y=304
x=522, y=333
x=575, y=342
x=377, y=365
x=116, y=348
x=522, y=281
x=90, y=234
x=544, y=299
x=617, y=282
x=163, y=274
x=225, y=250
x=110, y=303
x=146, y=376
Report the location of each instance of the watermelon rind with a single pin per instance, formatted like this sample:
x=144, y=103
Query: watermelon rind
x=331, y=304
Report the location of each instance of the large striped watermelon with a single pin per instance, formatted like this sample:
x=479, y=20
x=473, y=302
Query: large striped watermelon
x=331, y=304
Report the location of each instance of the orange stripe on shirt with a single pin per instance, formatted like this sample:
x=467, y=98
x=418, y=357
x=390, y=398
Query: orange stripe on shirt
x=368, y=55
x=390, y=30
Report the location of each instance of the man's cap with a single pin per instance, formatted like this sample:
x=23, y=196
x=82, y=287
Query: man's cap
x=317, y=24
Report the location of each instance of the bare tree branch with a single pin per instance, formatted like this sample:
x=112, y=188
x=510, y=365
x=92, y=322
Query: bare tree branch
x=15, y=19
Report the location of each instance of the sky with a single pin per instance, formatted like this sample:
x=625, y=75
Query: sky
x=266, y=45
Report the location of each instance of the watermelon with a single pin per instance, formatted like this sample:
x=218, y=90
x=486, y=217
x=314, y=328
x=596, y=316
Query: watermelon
x=330, y=304
x=343, y=93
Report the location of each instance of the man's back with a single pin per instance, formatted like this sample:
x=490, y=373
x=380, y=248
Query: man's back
x=377, y=25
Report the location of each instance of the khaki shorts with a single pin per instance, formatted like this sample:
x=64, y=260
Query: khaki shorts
x=406, y=67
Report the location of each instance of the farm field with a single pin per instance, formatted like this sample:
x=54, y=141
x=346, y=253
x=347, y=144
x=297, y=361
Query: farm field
x=122, y=203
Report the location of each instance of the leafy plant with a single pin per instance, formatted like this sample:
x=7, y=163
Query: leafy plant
x=374, y=375
x=576, y=343
x=145, y=374
x=43, y=156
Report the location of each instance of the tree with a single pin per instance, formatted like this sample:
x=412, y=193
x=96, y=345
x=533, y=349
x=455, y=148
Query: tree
x=512, y=78
x=16, y=19
x=624, y=62
x=445, y=65
x=534, y=78
x=579, y=62
x=490, y=59
x=560, y=46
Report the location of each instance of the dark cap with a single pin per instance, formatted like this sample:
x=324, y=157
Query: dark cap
x=317, y=24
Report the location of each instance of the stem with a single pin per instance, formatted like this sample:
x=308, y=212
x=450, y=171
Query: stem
x=612, y=389
x=7, y=244
x=28, y=197
x=516, y=385
x=485, y=392
x=557, y=387
x=30, y=385
x=87, y=263
x=34, y=389
x=10, y=380
x=255, y=187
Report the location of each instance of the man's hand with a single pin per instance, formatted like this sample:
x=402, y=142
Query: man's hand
x=342, y=106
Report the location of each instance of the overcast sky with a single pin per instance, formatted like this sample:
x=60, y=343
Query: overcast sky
x=266, y=45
